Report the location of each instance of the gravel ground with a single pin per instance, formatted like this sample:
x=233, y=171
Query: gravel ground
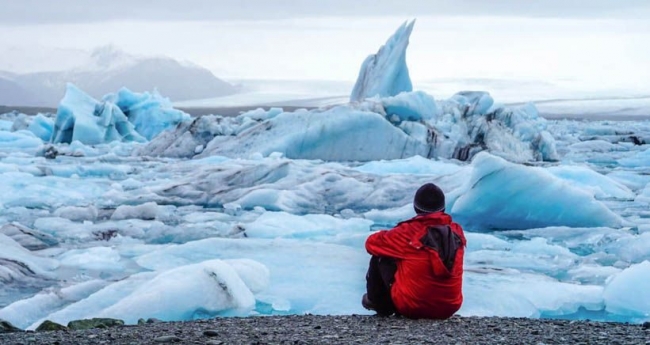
x=355, y=329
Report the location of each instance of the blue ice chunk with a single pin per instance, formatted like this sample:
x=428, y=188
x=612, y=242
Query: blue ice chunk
x=477, y=102
x=504, y=195
x=626, y=293
x=341, y=133
x=80, y=117
x=5, y=125
x=385, y=73
x=150, y=113
x=640, y=159
x=42, y=127
x=602, y=186
x=19, y=140
x=411, y=106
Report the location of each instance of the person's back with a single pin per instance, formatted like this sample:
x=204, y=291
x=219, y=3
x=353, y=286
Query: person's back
x=417, y=266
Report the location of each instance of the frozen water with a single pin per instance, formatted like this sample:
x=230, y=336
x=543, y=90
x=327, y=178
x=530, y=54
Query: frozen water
x=341, y=133
x=267, y=212
x=21, y=267
x=193, y=291
x=27, y=238
x=603, y=186
x=503, y=195
x=145, y=211
x=477, y=102
x=410, y=106
x=82, y=118
x=385, y=73
x=24, y=140
x=123, y=116
x=42, y=127
x=122, y=216
x=150, y=113
x=23, y=313
x=516, y=294
x=380, y=128
x=624, y=294
x=416, y=165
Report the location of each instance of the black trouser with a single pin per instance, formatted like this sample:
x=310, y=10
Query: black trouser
x=379, y=279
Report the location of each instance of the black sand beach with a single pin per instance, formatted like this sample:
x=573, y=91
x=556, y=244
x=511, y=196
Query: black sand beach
x=354, y=329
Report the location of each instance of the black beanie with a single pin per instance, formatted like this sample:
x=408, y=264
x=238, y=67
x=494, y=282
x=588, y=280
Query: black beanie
x=429, y=198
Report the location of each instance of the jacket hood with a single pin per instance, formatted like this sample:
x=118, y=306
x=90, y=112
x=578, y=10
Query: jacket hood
x=440, y=241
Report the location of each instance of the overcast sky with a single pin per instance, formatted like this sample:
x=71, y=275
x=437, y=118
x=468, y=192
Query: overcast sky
x=74, y=11
x=596, y=40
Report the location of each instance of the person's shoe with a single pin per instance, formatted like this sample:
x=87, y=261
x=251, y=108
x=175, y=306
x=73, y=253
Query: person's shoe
x=366, y=303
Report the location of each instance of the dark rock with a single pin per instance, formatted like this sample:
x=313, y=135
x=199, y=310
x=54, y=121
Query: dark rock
x=48, y=325
x=646, y=325
x=94, y=323
x=7, y=327
x=168, y=339
x=636, y=140
x=105, y=235
x=50, y=152
x=210, y=333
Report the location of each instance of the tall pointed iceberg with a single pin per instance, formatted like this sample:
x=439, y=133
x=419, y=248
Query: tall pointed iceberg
x=385, y=73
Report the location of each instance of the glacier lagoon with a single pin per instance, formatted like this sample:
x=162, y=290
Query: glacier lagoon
x=266, y=213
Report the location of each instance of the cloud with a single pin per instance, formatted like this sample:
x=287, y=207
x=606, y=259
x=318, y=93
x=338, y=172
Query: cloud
x=27, y=12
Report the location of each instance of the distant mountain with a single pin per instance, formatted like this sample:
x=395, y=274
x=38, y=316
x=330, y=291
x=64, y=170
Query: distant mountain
x=7, y=75
x=13, y=94
x=108, y=69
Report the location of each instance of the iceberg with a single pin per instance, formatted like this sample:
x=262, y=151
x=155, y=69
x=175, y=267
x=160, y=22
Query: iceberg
x=603, y=187
x=24, y=312
x=385, y=73
x=384, y=120
x=18, y=264
x=123, y=116
x=502, y=195
x=192, y=291
x=41, y=125
x=23, y=140
x=150, y=113
x=398, y=127
x=82, y=118
x=339, y=134
x=27, y=238
x=623, y=294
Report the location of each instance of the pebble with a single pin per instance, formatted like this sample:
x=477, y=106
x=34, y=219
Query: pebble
x=214, y=342
x=168, y=339
x=210, y=333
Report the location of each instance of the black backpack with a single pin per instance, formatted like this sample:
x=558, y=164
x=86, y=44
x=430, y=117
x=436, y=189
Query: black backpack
x=444, y=241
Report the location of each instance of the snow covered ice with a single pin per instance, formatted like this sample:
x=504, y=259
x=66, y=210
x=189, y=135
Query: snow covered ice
x=136, y=210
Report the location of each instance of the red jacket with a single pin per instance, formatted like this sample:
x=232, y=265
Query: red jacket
x=423, y=287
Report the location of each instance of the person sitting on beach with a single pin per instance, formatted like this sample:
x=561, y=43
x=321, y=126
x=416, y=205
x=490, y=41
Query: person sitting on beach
x=416, y=269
